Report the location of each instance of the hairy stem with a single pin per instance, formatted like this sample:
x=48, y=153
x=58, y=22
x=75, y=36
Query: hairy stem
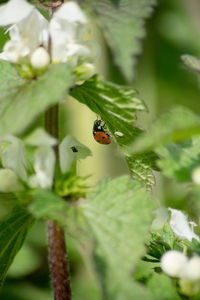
x=58, y=259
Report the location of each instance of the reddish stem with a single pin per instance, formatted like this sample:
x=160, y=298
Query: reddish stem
x=58, y=262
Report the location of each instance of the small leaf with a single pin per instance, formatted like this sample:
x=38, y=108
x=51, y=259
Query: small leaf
x=13, y=230
x=69, y=150
x=21, y=102
x=117, y=106
x=122, y=22
x=178, y=124
x=179, y=160
x=118, y=214
x=191, y=62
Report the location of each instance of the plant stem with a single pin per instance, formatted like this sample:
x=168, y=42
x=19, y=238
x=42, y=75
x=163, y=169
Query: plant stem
x=58, y=260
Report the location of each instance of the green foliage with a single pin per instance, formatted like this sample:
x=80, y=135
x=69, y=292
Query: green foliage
x=13, y=230
x=162, y=287
x=179, y=160
x=122, y=23
x=118, y=214
x=47, y=205
x=25, y=262
x=160, y=242
x=117, y=106
x=22, y=101
x=176, y=125
x=191, y=62
x=195, y=197
x=71, y=186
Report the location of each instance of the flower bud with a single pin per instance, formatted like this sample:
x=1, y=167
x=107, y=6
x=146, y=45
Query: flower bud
x=196, y=175
x=9, y=181
x=192, y=271
x=173, y=263
x=40, y=59
x=84, y=72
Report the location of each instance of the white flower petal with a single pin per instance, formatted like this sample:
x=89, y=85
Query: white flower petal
x=14, y=11
x=71, y=12
x=70, y=149
x=161, y=216
x=3, y=56
x=180, y=225
x=39, y=137
x=14, y=51
x=9, y=181
x=13, y=156
x=44, y=165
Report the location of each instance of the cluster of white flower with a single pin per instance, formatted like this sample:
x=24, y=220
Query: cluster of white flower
x=17, y=171
x=176, y=264
x=30, y=34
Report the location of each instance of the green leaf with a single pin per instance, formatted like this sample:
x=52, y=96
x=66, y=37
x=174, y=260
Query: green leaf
x=191, y=62
x=13, y=230
x=47, y=205
x=25, y=262
x=123, y=23
x=117, y=106
x=21, y=101
x=118, y=214
x=162, y=287
x=174, y=126
x=179, y=160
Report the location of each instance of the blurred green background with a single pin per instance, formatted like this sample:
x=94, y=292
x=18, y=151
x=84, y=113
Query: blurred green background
x=162, y=82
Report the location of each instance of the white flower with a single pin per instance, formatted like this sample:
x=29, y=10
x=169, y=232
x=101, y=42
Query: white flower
x=66, y=29
x=40, y=58
x=9, y=181
x=181, y=227
x=69, y=150
x=28, y=30
x=173, y=263
x=44, y=164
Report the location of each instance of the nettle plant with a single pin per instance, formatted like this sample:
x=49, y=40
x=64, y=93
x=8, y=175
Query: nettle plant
x=46, y=58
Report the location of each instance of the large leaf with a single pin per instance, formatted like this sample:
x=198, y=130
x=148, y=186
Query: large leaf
x=13, y=230
x=122, y=22
x=118, y=214
x=174, y=126
x=21, y=102
x=179, y=160
x=117, y=106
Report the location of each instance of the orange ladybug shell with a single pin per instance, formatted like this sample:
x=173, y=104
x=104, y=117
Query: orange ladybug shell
x=102, y=138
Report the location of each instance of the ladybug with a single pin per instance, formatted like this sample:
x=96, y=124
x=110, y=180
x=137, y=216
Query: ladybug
x=100, y=133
